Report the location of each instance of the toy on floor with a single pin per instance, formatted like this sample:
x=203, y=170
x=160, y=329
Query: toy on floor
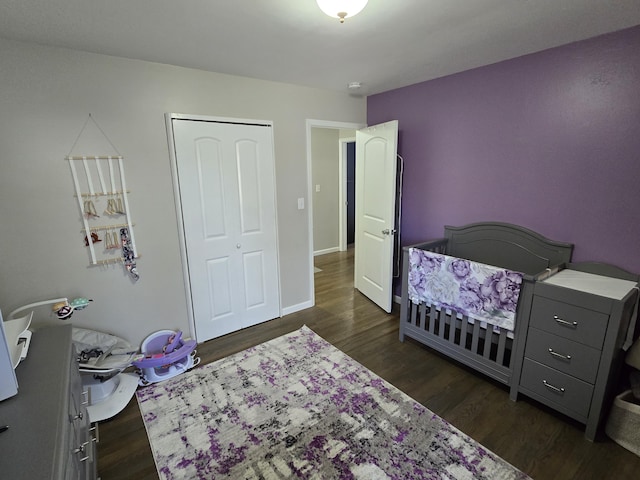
x=164, y=355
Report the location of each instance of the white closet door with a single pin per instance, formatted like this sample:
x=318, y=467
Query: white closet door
x=227, y=191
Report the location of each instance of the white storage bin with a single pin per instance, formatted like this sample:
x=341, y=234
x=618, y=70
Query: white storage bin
x=623, y=424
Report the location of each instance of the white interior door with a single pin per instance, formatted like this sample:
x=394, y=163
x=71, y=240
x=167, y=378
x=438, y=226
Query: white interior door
x=227, y=195
x=376, y=158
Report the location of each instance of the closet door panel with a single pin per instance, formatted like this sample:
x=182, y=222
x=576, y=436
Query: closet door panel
x=227, y=197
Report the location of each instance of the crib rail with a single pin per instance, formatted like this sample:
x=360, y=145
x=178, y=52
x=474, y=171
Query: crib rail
x=494, y=353
x=438, y=245
x=482, y=348
x=458, y=330
x=479, y=347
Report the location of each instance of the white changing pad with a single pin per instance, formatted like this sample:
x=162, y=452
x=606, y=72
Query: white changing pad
x=590, y=283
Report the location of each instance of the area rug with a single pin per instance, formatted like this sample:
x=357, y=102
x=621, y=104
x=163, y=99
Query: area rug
x=297, y=407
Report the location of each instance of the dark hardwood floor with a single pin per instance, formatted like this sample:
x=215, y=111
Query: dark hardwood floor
x=545, y=445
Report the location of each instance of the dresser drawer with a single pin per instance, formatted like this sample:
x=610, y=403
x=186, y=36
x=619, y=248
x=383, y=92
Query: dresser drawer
x=565, y=355
x=557, y=387
x=569, y=321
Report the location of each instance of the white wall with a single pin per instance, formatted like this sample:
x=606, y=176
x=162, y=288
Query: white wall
x=46, y=95
x=325, y=175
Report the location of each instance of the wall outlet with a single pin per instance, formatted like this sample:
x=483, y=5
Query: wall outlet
x=301, y=204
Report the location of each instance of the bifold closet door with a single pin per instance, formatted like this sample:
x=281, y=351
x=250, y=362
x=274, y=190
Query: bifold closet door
x=227, y=194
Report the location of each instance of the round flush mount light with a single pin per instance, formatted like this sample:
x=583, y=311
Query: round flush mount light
x=341, y=8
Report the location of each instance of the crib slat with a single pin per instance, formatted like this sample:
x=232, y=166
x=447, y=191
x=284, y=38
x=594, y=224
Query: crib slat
x=502, y=342
x=475, y=336
x=413, y=312
x=488, y=339
x=423, y=314
x=432, y=320
x=452, y=328
x=464, y=323
x=442, y=323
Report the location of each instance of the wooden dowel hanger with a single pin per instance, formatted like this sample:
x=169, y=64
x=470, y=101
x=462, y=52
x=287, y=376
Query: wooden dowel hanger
x=102, y=194
x=107, y=227
x=110, y=261
x=93, y=157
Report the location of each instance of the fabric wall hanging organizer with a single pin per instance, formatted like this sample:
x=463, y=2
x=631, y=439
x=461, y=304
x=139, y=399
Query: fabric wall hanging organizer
x=102, y=195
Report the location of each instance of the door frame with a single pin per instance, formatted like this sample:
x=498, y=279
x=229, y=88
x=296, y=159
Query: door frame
x=184, y=259
x=313, y=123
x=343, y=191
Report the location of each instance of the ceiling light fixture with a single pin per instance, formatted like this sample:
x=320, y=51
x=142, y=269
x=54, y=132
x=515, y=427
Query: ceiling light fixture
x=341, y=8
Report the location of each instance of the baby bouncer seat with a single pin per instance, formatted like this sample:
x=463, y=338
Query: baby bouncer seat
x=102, y=359
x=164, y=354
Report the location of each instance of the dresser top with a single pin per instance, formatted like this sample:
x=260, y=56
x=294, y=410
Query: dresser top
x=609, y=287
x=31, y=447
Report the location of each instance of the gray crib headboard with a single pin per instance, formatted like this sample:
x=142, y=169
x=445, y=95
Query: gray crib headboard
x=507, y=246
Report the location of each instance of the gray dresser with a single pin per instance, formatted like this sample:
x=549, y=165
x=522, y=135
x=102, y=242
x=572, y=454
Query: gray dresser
x=49, y=435
x=576, y=328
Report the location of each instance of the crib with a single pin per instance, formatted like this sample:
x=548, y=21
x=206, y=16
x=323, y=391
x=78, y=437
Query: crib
x=489, y=350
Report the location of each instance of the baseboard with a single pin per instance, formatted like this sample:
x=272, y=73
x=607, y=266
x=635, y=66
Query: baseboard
x=309, y=304
x=325, y=251
x=296, y=308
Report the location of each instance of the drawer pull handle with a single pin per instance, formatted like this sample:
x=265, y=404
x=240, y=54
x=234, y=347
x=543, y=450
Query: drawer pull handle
x=77, y=416
x=81, y=448
x=96, y=433
x=565, y=323
x=559, y=355
x=553, y=387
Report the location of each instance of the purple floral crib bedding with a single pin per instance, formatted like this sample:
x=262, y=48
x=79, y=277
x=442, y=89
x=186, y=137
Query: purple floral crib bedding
x=482, y=292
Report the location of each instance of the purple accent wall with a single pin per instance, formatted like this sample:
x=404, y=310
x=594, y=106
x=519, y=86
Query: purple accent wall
x=549, y=141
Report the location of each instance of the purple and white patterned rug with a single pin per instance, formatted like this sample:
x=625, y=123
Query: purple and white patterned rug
x=297, y=407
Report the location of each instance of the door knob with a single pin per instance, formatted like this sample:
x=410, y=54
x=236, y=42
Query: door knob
x=386, y=231
x=238, y=245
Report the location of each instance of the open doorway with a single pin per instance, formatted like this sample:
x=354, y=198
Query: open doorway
x=347, y=184
x=376, y=213
x=327, y=142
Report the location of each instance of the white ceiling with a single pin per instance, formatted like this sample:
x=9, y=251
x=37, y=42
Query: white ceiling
x=392, y=43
